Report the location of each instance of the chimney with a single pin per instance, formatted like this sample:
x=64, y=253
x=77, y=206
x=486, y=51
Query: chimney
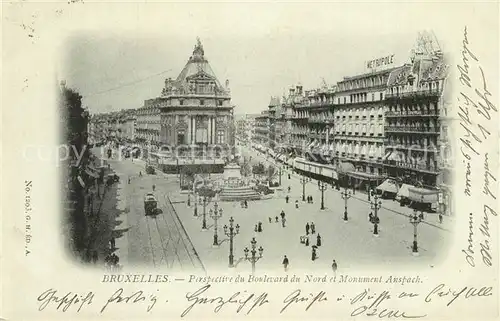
x=299, y=89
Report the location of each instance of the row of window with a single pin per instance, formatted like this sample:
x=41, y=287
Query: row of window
x=363, y=83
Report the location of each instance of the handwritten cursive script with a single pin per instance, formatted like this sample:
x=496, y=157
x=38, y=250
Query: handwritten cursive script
x=487, y=176
x=374, y=308
x=136, y=297
x=65, y=301
x=297, y=297
x=238, y=299
x=466, y=292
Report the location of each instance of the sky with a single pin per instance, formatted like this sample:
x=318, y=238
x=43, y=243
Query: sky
x=262, y=50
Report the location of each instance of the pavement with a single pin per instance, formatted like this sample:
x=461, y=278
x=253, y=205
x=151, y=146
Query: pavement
x=175, y=239
x=146, y=241
x=351, y=243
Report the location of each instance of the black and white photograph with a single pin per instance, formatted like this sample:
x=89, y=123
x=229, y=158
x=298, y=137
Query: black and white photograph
x=267, y=159
x=188, y=179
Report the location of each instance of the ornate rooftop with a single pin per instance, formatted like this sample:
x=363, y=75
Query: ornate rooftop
x=196, y=72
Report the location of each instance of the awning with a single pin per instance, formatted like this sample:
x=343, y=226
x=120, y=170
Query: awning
x=422, y=195
x=403, y=191
x=345, y=167
x=388, y=185
x=364, y=176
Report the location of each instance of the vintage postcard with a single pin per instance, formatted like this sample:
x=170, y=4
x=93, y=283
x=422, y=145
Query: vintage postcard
x=267, y=160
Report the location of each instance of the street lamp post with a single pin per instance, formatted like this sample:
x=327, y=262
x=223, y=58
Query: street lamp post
x=304, y=180
x=216, y=213
x=204, y=221
x=346, y=194
x=415, y=220
x=253, y=258
x=231, y=233
x=323, y=187
x=376, y=205
x=195, y=205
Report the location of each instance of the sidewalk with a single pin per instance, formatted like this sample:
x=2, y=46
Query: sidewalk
x=122, y=244
x=390, y=206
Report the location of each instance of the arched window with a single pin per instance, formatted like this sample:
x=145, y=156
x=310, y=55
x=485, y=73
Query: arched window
x=372, y=129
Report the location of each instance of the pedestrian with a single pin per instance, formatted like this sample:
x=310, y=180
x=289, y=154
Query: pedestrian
x=312, y=200
x=246, y=204
x=307, y=240
x=277, y=219
x=270, y=219
x=289, y=188
x=283, y=221
x=318, y=240
x=287, y=198
x=282, y=214
x=129, y=180
x=307, y=228
x=440, y=218
x=313, y=254
x=296, y=204
x=313, y=228
x=285, y=263
x=259, y=227
x=112, y=243
x=288, y=176
x=154, y=187
x=370, y=217
x=334, y=267
x=256, y=229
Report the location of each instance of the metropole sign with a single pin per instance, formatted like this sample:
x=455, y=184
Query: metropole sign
x=380, y=62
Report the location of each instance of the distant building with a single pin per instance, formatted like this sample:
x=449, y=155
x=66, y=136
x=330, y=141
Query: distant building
x=261, y=129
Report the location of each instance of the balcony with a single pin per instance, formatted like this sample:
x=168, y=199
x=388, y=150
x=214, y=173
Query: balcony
x=411, y=147
x=414, y=94
x=412, y=130
x=412, y=166
x=408, y=114
x=317, y=120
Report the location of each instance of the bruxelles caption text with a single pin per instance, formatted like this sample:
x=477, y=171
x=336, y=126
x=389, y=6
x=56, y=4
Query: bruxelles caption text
x=379, y=296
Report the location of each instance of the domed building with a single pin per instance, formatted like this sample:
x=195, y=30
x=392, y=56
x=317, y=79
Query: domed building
x=192, y=120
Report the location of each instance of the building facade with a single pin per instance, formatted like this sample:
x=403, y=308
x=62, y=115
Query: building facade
x=260, y=134
x=386, y=123
x=194, y=111
x=359, y=127
x=414, y=133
